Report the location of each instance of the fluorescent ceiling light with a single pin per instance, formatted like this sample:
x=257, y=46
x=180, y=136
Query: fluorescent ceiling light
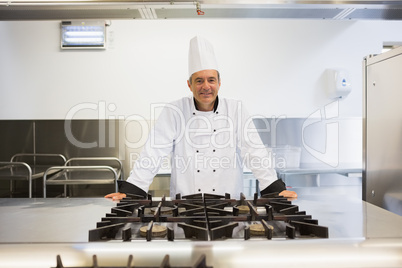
x=86, y=34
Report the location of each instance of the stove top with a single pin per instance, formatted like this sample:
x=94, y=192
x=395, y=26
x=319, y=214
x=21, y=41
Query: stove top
x=206, y=217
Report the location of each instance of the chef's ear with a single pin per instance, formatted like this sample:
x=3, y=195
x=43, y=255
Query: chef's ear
x=189, y=85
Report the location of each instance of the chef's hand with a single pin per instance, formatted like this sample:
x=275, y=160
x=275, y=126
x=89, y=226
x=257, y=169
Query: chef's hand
x=289, y=194
x=116, y=196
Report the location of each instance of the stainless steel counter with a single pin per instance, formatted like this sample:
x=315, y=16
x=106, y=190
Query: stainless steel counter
x=50, y=220
x=34, y=231
x=312, y=170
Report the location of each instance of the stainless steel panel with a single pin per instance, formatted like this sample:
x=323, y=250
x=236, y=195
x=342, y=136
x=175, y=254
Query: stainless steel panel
x=138, y=9
x=69, y=14
x=353, y=253
x=257, y=12
x=80, y=138
x=75, y=138
x=16, y=136
x=383, y=129
x=376, y=13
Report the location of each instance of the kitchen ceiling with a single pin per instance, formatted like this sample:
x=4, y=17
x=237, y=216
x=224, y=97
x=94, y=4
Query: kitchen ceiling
x=214, y=9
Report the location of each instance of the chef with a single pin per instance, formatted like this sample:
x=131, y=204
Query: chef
x=209, y=140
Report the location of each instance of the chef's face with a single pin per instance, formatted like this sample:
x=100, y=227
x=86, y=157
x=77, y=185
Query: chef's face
x=205, y=86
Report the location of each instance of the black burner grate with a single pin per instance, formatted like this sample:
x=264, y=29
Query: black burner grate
x=207, y=217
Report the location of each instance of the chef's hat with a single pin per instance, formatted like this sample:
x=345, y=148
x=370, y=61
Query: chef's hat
x=201, y=56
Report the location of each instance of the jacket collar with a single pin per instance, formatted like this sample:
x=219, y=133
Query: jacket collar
x=215, y=104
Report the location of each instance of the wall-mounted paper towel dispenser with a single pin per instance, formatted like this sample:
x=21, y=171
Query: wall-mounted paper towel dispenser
x=339, y=85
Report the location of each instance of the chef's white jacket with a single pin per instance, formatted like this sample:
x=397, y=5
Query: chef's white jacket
x=208, y=150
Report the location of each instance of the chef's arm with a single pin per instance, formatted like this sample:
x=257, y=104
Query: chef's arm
x=254, y=149
x=159, y=145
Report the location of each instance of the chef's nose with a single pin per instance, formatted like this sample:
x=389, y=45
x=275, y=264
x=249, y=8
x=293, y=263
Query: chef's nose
x=206, y=85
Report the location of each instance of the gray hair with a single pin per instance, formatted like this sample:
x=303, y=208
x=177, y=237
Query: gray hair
x=219, y=77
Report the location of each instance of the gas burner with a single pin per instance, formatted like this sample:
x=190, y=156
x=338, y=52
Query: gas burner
x=201, y=263
x=207, y=217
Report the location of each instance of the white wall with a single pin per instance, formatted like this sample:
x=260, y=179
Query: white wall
x=276, y=66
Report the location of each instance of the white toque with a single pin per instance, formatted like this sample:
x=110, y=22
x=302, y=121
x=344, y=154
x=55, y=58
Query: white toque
x=201, y=56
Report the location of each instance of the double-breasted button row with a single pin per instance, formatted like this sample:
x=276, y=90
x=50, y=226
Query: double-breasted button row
x=197, y=151
x=199, y=190
x=215, y=112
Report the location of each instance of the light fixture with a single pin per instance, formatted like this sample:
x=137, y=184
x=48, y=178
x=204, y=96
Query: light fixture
x=83, y=35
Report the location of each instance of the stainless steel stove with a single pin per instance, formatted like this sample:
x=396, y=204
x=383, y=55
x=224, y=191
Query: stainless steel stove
x=207, y=217
x=33, y=232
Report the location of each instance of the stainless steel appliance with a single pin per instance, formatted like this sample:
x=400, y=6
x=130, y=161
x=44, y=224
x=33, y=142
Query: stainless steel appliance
x=382, y=180
x=207, y=217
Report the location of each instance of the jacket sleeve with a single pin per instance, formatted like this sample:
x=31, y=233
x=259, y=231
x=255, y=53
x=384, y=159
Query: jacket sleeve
x=158, y=146
x=275, y=187
x=254, y=153
x=129, y=188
